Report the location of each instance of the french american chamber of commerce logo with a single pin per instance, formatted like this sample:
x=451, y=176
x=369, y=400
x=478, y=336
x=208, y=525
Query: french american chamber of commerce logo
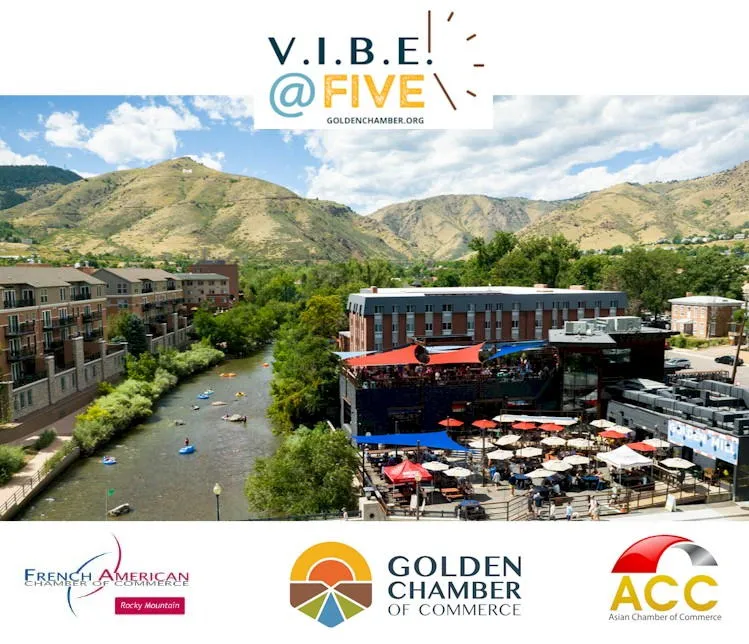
x=643, y=586
x=331, y=582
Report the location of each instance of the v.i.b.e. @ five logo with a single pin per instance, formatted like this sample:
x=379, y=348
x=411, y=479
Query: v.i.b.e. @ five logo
x=665, y=578
x=396, y=72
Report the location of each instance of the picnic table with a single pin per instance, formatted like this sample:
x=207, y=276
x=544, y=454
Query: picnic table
x=451, y=493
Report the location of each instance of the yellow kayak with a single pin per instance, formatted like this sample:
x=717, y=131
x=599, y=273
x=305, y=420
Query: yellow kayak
x=239, y=394
x=227, y=375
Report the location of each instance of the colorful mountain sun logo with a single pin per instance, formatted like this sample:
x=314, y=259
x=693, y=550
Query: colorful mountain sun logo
x=331, y=582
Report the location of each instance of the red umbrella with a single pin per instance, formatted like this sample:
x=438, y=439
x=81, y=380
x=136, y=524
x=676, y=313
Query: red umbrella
x=451, y=422
x=641, y=447
x=526, y=426
x=484, y=424
x=611, y=434
x=551, y=427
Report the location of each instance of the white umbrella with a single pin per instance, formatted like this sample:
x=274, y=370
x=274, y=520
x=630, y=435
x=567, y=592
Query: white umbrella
x=500, y=455
x=528, y=452
x=480, y=443
x=436, y=466
x=557, y=466
x=658, y=443
x=458, y=472
x=576, y=459
x=540, y=474
x=580, y=443
x=510, y=439
x=676, y=463
x=602, y=423
x=553, y=441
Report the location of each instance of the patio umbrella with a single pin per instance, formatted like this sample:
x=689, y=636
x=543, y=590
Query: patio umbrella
x=480, y=443
x=602, y=423
x=658, y=443
x=524, y=426
x=580, y=443
x=451, y=422
x=507, y=440
x=500, y=455
x=553, y=441
x=557, y=466
x=528, y=452
x=641, y=447
x=576, y=459
x=540, y=474
x=676, y=463
x=551, y=427
x=610, y=433
x=484, y=424
x=458, y=472
x=435, y=466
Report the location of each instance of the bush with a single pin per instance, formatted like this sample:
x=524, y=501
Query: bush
x=46, y=438
x=690, y=342
x=11, y=460
x=60, y=454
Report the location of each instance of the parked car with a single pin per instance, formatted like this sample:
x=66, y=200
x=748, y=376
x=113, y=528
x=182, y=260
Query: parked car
x=470, y=510
x=728, y=359
x=677, y=363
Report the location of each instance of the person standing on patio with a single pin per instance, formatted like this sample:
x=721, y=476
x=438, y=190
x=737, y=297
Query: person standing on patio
x=496, y=478
x=552, y=510
x=594, y=511
x=569, y=511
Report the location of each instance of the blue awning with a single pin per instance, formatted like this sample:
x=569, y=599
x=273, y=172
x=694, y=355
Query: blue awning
x=518, y=347
x=435, y=440
x=345, y=355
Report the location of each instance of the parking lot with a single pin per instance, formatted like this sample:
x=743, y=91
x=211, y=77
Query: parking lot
x=704, y=360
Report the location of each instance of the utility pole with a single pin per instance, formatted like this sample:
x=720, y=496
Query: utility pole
x=742, y=321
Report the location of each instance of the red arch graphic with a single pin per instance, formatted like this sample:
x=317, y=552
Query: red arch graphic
x=644, y=555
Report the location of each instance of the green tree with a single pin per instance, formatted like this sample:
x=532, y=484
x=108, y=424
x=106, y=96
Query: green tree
x=311, y=472
x=323, y=316
x=588, y=271
x=135, y=334
x=141, y=368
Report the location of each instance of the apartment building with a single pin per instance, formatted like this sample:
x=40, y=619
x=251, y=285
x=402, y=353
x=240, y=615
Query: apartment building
x=703, y=316
x=220, y=267
x=205, y=288
x=44, y=308
x=386, y=318
x=152, y=294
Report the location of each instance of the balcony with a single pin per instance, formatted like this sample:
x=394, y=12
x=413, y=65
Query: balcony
x=51, y=347
x=17, y=304
x=77, y=297
x=93, y=335
x=91, y=317
x=57, y=323
x=24, y=353
x=27, y=379
x=147, y=306
x=170, y=286
x=24, y=328
x=146, y=288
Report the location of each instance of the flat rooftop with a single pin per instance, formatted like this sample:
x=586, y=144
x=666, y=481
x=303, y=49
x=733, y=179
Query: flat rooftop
x=419, y=291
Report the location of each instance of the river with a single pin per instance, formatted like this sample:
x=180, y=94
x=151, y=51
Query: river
x=151, y=475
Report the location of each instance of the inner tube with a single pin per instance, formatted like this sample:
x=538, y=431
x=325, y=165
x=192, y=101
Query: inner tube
x=187, y=449
x=203, y=396
x=239, y=394
x=109, y=461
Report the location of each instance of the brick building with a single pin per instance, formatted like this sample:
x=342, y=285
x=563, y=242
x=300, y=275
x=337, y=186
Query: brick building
x=386, y=318
x=220, y=267
x=703, y=316
x=44, y=308
x=205, y=288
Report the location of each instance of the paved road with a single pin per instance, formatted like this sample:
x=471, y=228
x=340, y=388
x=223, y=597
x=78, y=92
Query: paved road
x=704, y=360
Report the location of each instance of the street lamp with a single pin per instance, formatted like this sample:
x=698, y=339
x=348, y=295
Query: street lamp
x=217, y=491
x=417, y=478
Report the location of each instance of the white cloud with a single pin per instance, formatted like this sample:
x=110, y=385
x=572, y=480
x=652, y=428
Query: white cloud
x=220, y=108
x=536, y=143
x=84, y=174
x=8, y=157
x=28, y=135
x=213, y=161
x=147, y=133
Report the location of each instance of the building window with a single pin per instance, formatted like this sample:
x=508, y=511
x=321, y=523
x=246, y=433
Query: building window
x=613, y=304
x=597, y=304
x=516, y=306
x=487, y=324
x=28, y=397
x=395, y=309
x=516, y=324
x=498, y=325
x=470, y=325
x=539, y=323
x=471, y=307
x=379, y=309
x=63, y=294
x=410, y=327
x=499, y=306
x=428, y=308
x=566, y=305
x=487, y=307
x=410, y=308
x=539, y=305
x=428, y=326
x=378, y=346
x=122, y=304
x=62, y=383
x=43, y=297
x=447, y=326
x=121, y=288
x=395, y=328
x=581, y=305
x=378, y=328
x=447, y=308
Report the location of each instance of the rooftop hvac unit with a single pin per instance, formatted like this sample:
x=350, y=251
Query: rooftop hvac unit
x=575, y=328
x=627, y=323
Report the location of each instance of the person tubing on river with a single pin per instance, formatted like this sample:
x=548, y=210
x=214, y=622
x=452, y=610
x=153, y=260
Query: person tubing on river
x=187, y=442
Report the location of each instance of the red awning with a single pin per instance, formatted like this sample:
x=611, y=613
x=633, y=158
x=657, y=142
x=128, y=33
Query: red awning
x=467, y=355
x=551, y=427
x=524, y=426
x=484, y=424
x=406, y=355
x=641, y=447
x=405, y=472
x=609, y=433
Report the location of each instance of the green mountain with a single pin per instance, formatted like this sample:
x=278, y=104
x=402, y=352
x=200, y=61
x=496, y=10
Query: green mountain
x=19, y=182
x=181, y=206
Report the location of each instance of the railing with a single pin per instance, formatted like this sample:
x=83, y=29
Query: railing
x=392, y=381
x=57, y=323
x=77, y=297
x=18, y=304
x=21, y=354
x=92, y=356
x=721, y=375
x=171, y=287
x=91, y=317
x=147, y=289
x=23, y=328
x=94, y=335
x=326, y=516
x=27, y=379
x=40, y=475
x=54, y=346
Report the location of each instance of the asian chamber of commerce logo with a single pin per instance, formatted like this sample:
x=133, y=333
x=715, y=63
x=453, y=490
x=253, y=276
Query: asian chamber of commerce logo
x=430, y=73
x=684, y=589
x=331, y=582
x=105, y=571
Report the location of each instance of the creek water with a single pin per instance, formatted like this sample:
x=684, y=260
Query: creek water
x=153, y=477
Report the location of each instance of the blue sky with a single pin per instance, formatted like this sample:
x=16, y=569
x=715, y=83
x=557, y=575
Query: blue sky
x=541, y=147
